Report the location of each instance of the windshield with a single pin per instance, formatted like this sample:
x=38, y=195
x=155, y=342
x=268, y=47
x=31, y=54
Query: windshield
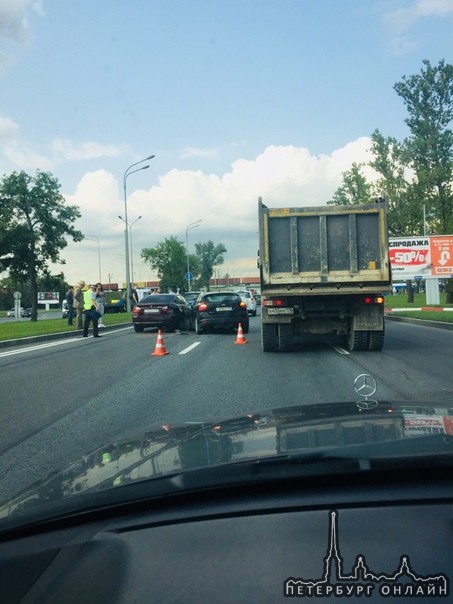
x=302, y=150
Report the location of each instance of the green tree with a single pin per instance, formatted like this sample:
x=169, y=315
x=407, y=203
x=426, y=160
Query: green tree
x=416, y=175
x=391, y=162
x=169, y=259
x=428, y=97
x=210, y=255
x=354, y=188
x=34, y=226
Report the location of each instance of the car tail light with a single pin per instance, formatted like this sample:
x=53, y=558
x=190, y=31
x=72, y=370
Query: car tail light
x=243, y=304
x=136, y=310
x=165, y=309
x=202, y=306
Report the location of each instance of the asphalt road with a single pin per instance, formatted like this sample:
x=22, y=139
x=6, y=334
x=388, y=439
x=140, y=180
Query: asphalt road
x=50, y=314
x=61, y=399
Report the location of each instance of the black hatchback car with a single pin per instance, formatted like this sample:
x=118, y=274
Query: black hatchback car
x=164, y=311
x=219, y=310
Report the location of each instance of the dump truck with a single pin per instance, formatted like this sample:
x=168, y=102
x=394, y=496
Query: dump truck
x=323, y=270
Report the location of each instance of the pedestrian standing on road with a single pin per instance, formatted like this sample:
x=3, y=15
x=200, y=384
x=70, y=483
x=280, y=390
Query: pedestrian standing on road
x=90, y=312
x=70, y=303
x=134, y=296
x=79, y=303
x=100, y=302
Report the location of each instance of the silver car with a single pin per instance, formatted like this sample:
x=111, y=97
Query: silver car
x=250, y=301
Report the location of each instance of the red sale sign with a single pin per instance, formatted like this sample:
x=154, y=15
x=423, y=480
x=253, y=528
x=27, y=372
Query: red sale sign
x=409, y=256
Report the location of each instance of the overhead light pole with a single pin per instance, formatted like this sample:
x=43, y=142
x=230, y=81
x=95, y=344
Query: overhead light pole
x=127, y=173
x=94, y=238
x=192, y=225
x=130, y=243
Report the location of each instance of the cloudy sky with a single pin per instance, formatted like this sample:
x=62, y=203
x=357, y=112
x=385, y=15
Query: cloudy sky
x=237, y=99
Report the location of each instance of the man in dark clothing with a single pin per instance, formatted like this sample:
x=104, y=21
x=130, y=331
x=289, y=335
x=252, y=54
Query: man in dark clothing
x=70, y=303
x=134, y=296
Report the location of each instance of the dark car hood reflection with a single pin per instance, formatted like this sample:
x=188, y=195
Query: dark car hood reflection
x=165, y=449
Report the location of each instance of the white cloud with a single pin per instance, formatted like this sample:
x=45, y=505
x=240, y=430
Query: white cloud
x=15, y=26
x=8, y=129
x=227, y=205
x=402, y=19
x=21, y=155
x=25, y=158
x=65, y=149
x=97, y=197
x=13, y=20
x=195, y=152
x=399, y=21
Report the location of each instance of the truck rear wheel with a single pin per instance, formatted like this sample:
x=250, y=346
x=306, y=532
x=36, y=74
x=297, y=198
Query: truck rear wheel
x=268, y=338
x=357, y=340
x=285, y=337
x=375, y=340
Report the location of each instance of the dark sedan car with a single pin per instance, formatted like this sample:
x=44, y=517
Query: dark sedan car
x=220, y=310
x=163, y=311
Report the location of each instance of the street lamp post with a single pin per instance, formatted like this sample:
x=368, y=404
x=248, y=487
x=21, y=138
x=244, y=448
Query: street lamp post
x=192, y=225
x=94, y=238
x=127, y=173
x=130, y=242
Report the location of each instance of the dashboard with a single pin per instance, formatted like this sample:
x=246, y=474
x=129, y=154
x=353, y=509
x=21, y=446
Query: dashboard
x=352, y=538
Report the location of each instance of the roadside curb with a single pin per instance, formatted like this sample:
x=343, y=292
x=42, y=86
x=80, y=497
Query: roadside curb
x=424, y=322
x=420, y=309
x=56, y=336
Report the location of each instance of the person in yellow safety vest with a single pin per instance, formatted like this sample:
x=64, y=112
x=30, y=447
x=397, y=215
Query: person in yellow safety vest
x=89, y=310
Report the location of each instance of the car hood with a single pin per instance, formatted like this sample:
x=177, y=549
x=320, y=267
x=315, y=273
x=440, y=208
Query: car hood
x=173, y=457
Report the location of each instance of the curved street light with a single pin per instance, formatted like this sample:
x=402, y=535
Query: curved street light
x=94, y=238
x=192, y=225
x=127, y=173
x=130, y=243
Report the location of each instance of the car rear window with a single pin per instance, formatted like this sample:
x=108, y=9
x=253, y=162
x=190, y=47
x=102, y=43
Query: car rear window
x=158, y=299
x=219, y=298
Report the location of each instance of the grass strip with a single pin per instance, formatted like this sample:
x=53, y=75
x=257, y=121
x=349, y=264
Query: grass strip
x=25, y=328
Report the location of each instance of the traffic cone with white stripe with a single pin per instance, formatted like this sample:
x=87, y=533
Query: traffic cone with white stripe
x=160, y=350
x=240, y=338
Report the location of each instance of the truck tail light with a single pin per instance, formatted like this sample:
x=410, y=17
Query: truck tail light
x=274, y=302
x=374, y=300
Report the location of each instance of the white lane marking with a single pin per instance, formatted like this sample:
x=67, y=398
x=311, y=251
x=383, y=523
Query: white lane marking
x=340, y=350
x=38, y=347
x=73, y=340
x=189, y=348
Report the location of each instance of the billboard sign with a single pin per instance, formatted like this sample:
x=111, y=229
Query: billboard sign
x=409, y=256
x=441, y=255
x=421, y=257
x=48, y=298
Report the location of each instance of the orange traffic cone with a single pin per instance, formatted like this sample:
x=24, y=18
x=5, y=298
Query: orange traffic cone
x=159, y=351
x=240, y=339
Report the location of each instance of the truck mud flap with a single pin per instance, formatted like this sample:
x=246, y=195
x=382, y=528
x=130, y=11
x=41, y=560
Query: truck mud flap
x=269, y=337
x=276, y=338
x=285, y=337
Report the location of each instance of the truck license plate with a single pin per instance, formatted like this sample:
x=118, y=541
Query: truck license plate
x=280, y=311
